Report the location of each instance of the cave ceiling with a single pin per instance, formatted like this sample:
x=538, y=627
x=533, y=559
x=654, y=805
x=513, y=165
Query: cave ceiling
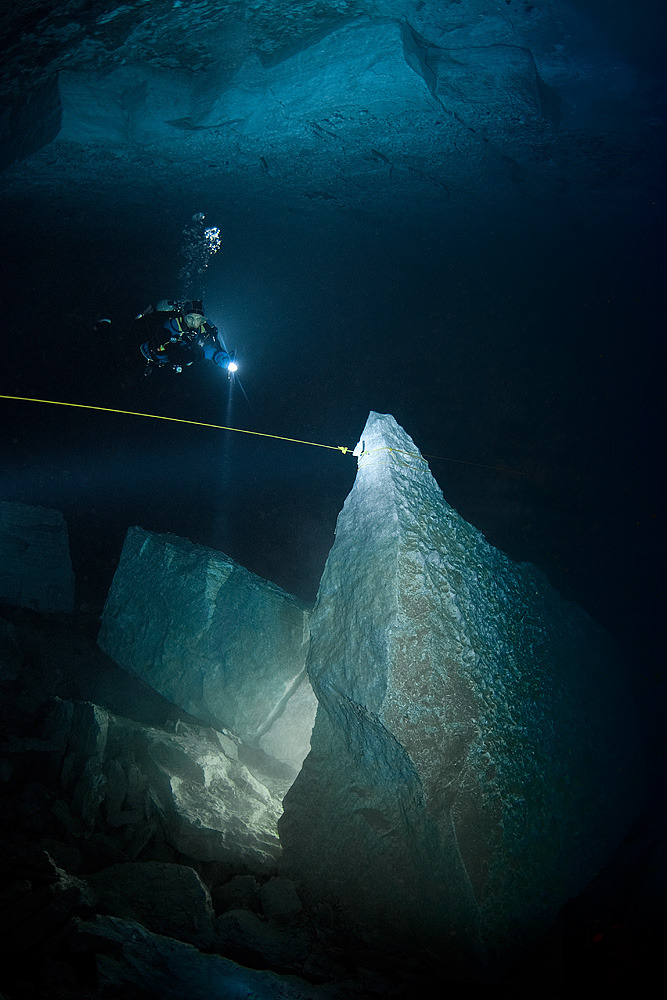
x=375, y=106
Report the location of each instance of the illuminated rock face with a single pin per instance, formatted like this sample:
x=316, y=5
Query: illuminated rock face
x=35, y=565
x=474, y=760
x=384, y=106
x=213, y=638
x=131, y=784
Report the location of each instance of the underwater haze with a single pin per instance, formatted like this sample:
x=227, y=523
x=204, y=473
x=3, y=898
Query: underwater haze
x=469, y=237
x=450, y=212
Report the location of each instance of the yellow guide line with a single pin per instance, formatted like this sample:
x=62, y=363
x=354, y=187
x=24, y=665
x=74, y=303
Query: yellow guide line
x=177, y=420
x=239, y=430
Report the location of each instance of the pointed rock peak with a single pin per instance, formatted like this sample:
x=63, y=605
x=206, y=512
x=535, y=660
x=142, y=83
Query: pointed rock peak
x=383, y=437
x=474, y=757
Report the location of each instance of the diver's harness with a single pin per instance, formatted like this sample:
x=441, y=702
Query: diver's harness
x=184, y=336
x=157, y=344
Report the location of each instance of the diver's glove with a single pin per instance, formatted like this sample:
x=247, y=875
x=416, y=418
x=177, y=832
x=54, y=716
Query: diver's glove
x=223, y=359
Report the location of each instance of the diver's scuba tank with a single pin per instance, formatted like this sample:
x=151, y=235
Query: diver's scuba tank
x=149, y=323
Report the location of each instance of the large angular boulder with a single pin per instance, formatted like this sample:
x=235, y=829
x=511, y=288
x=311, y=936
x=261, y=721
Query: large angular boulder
x=218, y=641
x=137, y=962
x=474, y=759
x=35, y=564
x=166, y=898
x=128, y=784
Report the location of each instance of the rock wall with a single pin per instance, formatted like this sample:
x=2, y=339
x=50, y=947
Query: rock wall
x=218, y=641
x=474, y=758
x=35, y=564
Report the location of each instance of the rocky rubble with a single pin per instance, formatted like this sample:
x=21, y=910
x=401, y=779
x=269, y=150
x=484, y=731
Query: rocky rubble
x=137, y=857
x=473, y=766
x=130, y=783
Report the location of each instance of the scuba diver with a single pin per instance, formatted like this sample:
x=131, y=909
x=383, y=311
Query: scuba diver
x=181, y=335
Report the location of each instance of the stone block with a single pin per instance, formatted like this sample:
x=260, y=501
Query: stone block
x=218, y=641
x=475, y=758
x=242, y=892
x=280, y=900
x=167, y=899
x=126, y=783
x=35, y=564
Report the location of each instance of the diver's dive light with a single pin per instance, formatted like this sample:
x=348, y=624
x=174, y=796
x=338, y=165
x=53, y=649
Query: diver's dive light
x=232, y=367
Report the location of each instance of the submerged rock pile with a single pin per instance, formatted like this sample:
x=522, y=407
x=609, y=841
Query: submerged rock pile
x=137, y=857
x=475, y=761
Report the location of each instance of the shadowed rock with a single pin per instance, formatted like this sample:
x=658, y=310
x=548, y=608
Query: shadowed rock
x=166, y=898
x=35, y=565
x=10, y=656
x=127, y=955
x=474, y=761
